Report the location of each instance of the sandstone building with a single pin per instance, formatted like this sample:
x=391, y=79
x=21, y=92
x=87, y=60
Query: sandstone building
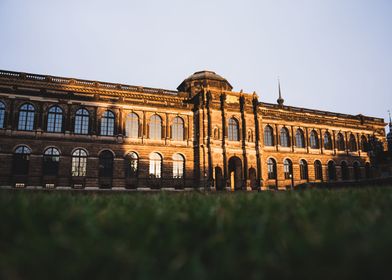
x=65, y=132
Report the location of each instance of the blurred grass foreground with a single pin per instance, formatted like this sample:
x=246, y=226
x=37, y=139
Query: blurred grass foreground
x=314, y=234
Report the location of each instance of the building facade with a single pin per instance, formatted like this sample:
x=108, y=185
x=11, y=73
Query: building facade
x=64, y=132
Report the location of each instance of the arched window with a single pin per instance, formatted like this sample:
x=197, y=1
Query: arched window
x=284, y=137
x=364, y=144
x=132, y=165
x=352, y=143
x=155, y=127
x=327, y=141
x=314, y=141
x=106, y=164
x=303, y=167
x=51, y=161
x=318, y=170
x=300, y=139
x=21, y=160
x=79, y=162
x=178, y=129
x=345, y=171
x=55, y=119
x=26, y=117
x=288, y=169
x=233, y=130
x=331, y=171
x=268, y=136
x=368, y=170
x=357, y=171
x=132, y=126
x=340, y=144
x=107, y=123
x=272, y=172
x=2, y=114
x=81, y=121
x=178, y=166
x=155, y=165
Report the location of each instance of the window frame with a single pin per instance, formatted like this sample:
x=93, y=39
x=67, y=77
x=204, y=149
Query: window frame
x=272, y=169
x=314, y=140
x=233, y=130
x=51, y=161
x=108, y=121
x=155, y=127
x=132, y=125
x=132, y=165
x=26, y=117
x=331, y=169
x=79, y=163
x=318, y=170
x=285, y=137
x=300, y=139
x=155, y=165
x=328, y=145
x=178, y=166
x=178, y=129
x=21, y=160
x=288, y=169
x=2, y=114
x=269, y=136
x=54, y=122
x=340, y=142
x=352, y=143
x=304, y=169
x=82, y=122
x=105, y=164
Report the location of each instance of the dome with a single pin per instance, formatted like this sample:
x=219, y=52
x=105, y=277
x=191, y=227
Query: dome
x=203, y=79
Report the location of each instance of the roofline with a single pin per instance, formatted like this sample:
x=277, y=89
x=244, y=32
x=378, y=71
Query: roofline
x=320, y=112
x=81, y=82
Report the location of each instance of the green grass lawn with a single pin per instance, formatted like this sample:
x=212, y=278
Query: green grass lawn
x=313, y=234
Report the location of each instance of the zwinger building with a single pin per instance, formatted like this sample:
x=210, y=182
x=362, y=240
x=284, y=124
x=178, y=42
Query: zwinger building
x=73, y=133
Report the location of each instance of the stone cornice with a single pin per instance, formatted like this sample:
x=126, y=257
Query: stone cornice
x=76, y=86
x=272, y=111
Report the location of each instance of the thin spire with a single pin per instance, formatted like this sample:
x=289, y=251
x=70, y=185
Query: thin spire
x=390, y=120
x=280, y=99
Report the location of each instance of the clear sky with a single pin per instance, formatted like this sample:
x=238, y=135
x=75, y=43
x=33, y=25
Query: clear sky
x=333, y=55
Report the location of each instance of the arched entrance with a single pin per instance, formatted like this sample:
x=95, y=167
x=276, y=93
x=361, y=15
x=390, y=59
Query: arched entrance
x=218, y=178
x=235, y=173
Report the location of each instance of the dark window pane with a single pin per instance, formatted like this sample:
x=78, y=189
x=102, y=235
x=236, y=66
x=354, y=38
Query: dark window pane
x=21, y=160
x=106, y=164
x=284, y=137
x=268, y=136
x=51, y=161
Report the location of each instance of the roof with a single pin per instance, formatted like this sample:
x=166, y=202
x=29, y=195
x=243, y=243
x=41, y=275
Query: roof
x=204, y=75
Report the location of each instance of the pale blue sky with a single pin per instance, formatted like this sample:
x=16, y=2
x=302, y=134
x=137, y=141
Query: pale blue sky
x=331, y=55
